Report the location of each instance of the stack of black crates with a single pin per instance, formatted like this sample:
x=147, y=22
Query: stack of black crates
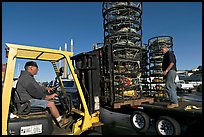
x=145, y=71
x=155, y=65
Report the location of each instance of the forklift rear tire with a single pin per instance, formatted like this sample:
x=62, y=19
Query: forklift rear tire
x=140, y=121
x=91, y=132
x=166, y=125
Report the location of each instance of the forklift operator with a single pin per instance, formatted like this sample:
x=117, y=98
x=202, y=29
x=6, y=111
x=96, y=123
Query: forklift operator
x=29, y=89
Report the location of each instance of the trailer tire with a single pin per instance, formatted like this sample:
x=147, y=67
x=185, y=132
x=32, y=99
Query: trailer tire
x=140, y=121
x=166, y=125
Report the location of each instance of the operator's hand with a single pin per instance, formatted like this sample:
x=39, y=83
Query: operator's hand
x=53, y=95
x=49, y=97
x=50, y=89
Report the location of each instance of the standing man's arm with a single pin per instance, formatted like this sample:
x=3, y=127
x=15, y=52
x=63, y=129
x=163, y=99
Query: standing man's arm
x=169, y=67
x=172, y=61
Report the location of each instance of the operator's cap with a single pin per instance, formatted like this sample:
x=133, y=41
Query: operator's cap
x=164, y=46
x=30, y=63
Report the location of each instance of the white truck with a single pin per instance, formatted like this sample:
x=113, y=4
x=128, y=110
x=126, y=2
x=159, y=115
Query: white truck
x=184, y=87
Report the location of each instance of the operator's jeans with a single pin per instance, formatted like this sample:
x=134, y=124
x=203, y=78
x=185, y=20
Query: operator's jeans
x=170, y=86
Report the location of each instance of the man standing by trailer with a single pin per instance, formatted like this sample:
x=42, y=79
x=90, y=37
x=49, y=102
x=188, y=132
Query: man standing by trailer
x=169, y=75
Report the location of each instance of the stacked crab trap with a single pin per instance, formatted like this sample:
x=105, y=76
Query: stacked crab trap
x=123, y=57
x=155, y=65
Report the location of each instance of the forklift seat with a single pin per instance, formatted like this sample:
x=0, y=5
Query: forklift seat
x=23, y=107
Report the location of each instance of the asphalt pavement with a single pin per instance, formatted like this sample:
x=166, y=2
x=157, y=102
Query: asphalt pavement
x=194, y=97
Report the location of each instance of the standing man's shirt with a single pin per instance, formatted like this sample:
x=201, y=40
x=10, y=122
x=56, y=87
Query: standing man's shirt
x=168, y=58
x=28, y=88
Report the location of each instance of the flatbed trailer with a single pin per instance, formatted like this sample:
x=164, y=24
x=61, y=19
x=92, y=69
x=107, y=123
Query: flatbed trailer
x=185, y=119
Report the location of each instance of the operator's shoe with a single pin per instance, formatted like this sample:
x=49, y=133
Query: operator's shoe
x=172, y=105
x=65, y=121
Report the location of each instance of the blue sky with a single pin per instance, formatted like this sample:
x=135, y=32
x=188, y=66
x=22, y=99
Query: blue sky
x=51, y=24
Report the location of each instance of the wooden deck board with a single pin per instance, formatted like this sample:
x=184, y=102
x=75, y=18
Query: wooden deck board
x=137, y=102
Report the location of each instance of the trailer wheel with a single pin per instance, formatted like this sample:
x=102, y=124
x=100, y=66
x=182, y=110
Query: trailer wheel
x=140, y=121
x=166, y=125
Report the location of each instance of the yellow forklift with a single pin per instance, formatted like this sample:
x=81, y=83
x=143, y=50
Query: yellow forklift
x=19, y=118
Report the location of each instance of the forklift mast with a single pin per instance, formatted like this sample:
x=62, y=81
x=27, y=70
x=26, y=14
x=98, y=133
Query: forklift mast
x=89, y=77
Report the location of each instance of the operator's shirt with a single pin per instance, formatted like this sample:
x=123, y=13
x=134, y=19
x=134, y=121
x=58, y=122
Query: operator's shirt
x=168, y=58
x=28, y=88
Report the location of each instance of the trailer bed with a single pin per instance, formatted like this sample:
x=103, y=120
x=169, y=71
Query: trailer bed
x=156, y=109
x=185, y=108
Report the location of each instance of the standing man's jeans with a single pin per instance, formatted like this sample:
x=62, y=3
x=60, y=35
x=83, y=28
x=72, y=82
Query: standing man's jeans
x=170, y=86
